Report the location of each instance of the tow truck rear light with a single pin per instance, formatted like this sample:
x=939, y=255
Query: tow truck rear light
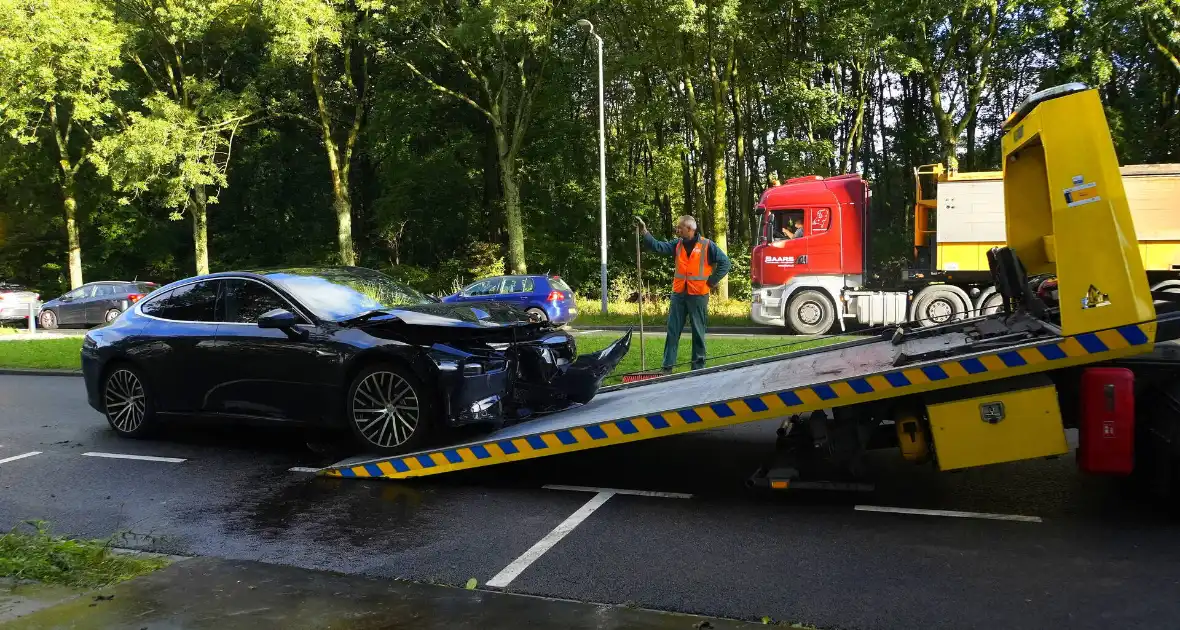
x=135, y=297
x=555, y=296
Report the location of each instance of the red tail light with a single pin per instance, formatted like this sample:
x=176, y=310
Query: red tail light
x=135, y=297
x=555, y=296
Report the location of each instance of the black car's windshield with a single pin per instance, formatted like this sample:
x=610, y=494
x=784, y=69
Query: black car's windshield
x=343, y=293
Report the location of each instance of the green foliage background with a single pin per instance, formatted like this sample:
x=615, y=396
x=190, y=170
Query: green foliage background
x=815, y=87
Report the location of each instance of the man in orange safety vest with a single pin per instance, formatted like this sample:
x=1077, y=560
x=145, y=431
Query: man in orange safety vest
x=700, y=265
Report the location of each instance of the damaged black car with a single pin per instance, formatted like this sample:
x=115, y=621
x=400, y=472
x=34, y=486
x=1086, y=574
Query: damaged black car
x=333, y=347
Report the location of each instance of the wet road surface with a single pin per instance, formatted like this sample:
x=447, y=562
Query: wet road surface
x=1096, y=558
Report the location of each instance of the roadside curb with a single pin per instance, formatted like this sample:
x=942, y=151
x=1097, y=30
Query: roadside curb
x=36, y=372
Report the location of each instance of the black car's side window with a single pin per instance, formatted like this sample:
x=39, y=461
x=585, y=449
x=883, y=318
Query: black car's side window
x=189, y=303
x=244, y=301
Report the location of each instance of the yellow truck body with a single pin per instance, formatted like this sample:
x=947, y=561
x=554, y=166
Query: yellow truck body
x=969, y=216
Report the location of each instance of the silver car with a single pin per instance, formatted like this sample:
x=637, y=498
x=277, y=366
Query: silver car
x=15, y=300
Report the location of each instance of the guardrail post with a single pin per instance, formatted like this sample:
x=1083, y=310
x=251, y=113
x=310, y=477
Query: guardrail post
x=32, y=318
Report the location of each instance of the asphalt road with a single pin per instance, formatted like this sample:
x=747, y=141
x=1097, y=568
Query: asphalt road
x=1097, y=559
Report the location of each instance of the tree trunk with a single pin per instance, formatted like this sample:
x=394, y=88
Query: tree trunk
x=342, y=204
x=75, y=246
x=514, y=222
x=720, y=216
x=69, y=201
x=739, y=145
x=341, y=201
x=197, y=207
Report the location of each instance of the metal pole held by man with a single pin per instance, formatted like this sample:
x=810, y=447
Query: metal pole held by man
x=700, y=265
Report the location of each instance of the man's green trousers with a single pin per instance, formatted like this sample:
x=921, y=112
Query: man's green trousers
x=696, y=309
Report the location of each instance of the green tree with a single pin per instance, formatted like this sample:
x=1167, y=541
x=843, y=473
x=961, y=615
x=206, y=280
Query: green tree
x=708, y=36
x=491, y=56
x=950, y=46
x=196, y=60
x=330, y=45
x=1161, y=21
x=58, y=60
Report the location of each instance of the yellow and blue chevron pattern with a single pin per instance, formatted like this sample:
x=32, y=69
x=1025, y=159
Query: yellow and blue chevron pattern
x=1059, y=353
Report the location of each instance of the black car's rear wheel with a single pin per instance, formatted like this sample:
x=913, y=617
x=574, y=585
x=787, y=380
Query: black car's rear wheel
x=389, y=409
x=127, y=403
x=111, y=315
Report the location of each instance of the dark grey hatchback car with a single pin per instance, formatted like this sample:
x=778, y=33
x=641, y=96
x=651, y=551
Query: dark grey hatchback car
x=92, y=304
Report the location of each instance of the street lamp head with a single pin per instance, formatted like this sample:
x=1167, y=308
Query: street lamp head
x=586, y=24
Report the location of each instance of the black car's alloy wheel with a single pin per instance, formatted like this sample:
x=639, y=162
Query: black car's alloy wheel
x=112, y=315
x=48, y=320
x=388, y=409
x=126, y=402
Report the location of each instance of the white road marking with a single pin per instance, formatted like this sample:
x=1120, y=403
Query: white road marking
x=509, y=573
x=950, y=513
x=303, y=469
x=145, y=458
x=638, y=493
x=21, y=456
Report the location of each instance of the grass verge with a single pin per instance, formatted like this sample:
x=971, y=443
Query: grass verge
x=62, y=354
x=722, y=349
x=727, y=313
x=33, y=553
x=44, y=354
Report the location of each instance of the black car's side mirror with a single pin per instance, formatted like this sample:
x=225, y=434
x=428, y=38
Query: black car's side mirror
x=279, y=318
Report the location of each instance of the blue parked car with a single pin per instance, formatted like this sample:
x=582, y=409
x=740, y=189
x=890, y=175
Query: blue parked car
x=546, y=297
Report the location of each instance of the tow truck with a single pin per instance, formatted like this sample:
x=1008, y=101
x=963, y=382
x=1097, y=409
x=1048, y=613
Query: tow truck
x=1080, y=342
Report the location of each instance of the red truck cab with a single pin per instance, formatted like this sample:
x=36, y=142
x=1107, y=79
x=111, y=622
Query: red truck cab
x=812, y=238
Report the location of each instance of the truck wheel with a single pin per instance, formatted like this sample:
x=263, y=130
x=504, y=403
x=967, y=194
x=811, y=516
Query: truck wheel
x=990, y=303
x=940, y=304
x=810, y=312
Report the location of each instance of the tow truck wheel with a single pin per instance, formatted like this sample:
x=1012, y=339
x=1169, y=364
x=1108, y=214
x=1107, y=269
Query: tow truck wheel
x=388, y=409
x=810, y=312
x=938, y=305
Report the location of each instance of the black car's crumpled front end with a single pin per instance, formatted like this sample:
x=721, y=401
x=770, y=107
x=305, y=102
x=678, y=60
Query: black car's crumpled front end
x=491, y=364
x=506, y=382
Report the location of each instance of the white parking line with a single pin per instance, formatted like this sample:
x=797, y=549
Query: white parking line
x=509, y=573
x=145, y=458
x=638, y=493
x=21, y=456
x=303, y=469
x=950, y=513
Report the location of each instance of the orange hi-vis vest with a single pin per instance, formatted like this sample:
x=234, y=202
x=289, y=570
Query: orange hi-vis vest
x=692, y=268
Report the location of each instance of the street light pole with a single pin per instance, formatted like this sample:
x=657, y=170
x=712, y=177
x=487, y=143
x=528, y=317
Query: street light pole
x=586, y=24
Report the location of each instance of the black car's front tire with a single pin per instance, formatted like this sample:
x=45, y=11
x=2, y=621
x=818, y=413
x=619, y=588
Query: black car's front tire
x=127, y=401
x=388, y=409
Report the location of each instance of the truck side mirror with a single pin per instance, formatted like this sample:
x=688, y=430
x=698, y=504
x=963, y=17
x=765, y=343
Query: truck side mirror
x=762, y=240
